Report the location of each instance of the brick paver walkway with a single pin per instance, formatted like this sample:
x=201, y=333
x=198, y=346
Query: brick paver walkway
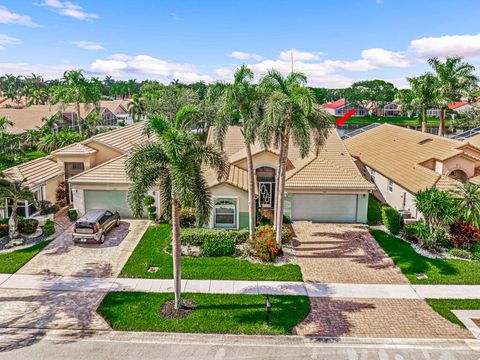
x=342, y=253
x=381, y=318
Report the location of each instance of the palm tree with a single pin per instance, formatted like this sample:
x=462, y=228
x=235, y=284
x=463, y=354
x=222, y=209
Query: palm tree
x=9, y=143
x=242, y=96
x=467, y=197
x=404, y=99
x=425, y=95
x=54, y=140
x=15, y=191
x=455, y=79
x=135, y=107
x=92, y=123
x=290, y=114
x=174, y=164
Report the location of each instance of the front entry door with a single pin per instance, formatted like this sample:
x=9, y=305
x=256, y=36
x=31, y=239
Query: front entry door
x=265, y=192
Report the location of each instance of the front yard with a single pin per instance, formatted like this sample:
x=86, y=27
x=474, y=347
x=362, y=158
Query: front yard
x=150, y=252
x=438, y=271
x=445, y=306
x=12, y=261
x=215, y=313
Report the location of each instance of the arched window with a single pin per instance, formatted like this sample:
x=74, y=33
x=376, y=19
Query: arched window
x=225, y=213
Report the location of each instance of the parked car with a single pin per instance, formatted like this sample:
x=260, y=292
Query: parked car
x=94, y=225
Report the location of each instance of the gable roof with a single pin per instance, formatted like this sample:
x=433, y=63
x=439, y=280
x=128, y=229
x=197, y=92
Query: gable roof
x=397, y=153
x=124, y=138
x=457, y=104
x=112, y=171
x=335, y=104
x=35, y=171
x=75, y=149
x=28, y=118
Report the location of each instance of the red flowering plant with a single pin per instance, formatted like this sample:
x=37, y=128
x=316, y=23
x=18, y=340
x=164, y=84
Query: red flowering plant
x=263, y=244
x=464, y=235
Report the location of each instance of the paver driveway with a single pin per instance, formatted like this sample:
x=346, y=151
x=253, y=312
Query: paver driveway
x=342, y=253
x=63, y=257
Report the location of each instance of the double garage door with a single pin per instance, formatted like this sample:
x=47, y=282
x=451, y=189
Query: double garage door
x=326, y=208
x=114, y=200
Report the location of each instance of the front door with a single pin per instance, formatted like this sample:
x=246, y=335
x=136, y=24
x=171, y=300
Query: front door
x=265, y=194
x=72, y=169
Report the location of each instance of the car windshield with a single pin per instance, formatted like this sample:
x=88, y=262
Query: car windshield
x=84, y=225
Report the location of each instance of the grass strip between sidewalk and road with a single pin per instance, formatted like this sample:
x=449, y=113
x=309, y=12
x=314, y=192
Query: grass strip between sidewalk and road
x=12, y=261
x=445, y=306
x=214, y=313
x=150, y=252
x=438, y=271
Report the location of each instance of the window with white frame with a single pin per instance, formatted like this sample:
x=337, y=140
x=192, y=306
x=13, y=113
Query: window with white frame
x=372, y=175
x=390, y=186
x=225, y=213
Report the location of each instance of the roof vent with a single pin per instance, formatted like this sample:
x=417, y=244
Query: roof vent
x=424, y=141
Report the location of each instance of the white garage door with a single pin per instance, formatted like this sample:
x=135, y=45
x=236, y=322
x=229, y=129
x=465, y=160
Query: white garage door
x=115, y=200
x=328, y=208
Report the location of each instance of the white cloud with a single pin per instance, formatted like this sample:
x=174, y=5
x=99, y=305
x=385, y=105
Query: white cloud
x=87, y=45
x=299, y=55
x=448, y=45
x=122, y=65
x=7, y=40
x=245, y=56
x=47, y=71
x=68, y=8
x=8, y=17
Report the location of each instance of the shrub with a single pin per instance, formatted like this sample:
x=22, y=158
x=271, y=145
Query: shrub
x=263, y=244
x=463, y=235
x=391, y=219
x=287, y=219
x=49, y=228
x=27, y=226
x=187, y=218
x=461, y=253
x=46, y=207
x=148, y=200
x=409, y=232
x=193, y=236
x=286, y=235
x=61, y=194
x=476, y=252
x=72, y=214
x=3, y=230
x=220, y=246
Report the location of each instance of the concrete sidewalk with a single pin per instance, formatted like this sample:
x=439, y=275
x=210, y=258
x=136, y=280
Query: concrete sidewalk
x=312, y=289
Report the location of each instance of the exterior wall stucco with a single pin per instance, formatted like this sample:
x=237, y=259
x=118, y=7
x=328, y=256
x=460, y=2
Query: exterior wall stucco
x=104, y=153
x=459, y=163
x=265, y=158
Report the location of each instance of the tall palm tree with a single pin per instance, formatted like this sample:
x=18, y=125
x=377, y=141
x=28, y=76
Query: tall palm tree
x=174, y=164
x=425, y=95
x=242, y=96
x=135, y=107
x=455, y=79
x=9, y=143
x=54, y=140
x=290, y=114
x=404, y=99
x=467, y=197
x=15, y=191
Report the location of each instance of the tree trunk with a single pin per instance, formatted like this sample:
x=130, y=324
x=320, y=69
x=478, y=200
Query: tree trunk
x=251, y=192
x=12, y=223
x=79, y=119
x=441, y=128
x=281, y=189
x=176, y=252
x=424, y=120
x=277, y=181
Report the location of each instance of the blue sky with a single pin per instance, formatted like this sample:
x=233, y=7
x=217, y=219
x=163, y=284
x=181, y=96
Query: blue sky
x=333, y=42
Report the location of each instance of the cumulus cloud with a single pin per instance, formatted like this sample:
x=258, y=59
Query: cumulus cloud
x=87, y=45
x=245, y=56
x=448, y=45
x=7, y=40
x=8, y=17
x=299, y=55
x=47, y=71
x=122, y=65
x=68, y=8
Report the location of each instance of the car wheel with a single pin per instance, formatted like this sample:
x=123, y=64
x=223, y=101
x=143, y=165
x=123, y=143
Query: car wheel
x=117, y=223
x=102, y=238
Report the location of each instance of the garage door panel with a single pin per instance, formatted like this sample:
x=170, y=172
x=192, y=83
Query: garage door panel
x=108, y=199
x=324, y=207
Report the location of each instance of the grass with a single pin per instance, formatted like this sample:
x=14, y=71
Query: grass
x=374, y=214
x=439, y=271
x=150, y=252
x=215, y=313
x=28, y=156
x=445, y=306
x=12, y=261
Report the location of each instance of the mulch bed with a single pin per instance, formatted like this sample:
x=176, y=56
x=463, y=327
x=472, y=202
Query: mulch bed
x=187, y=307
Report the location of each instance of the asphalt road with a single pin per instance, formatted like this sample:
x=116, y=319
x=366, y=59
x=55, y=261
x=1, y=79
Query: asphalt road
x=52, y=345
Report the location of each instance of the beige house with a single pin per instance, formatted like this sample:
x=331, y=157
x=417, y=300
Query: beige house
x=400, y=162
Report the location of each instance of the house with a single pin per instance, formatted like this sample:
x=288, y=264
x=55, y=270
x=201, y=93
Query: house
x=341, y=107
x=401, y=162
x=390, y=110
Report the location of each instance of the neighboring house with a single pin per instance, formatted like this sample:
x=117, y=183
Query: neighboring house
x=401, y=162
x=323, y=187
x=341, y=107
x=433, y=113
x=390, y=110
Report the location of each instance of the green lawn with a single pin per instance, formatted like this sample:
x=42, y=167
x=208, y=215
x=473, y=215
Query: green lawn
x=445, y=306
x=374, y=214
x=439, y=271
x=29, y=155
x=11, y=262
x=215, y=313
x=150, y=252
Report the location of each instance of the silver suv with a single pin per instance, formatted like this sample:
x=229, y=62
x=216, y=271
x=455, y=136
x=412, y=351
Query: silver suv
x=93, y=226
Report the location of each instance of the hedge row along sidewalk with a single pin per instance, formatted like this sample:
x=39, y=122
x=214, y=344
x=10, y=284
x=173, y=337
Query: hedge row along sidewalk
x=215, y=313
x=439, y=271
x=150, y=252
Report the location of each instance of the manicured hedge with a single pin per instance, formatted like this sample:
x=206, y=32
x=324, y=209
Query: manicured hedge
x=218, y=246
x=27, y=226
x=391, y=219
x=49, y=228
x=198, y=237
